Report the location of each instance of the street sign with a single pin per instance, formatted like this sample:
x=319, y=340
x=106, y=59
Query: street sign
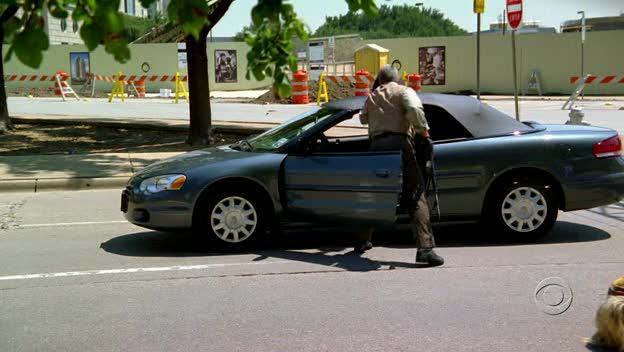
x=514, y=13
x=332, y=42
x=479, y=6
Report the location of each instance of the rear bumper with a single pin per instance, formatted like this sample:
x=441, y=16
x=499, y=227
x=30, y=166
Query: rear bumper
x=595, y=192
x=156, y=211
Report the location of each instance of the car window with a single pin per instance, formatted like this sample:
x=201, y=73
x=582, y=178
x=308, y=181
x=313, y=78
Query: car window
x=275, y=138
x=351, y=127
x=443, y=126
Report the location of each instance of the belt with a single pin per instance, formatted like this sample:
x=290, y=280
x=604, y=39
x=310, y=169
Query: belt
x=391, y=134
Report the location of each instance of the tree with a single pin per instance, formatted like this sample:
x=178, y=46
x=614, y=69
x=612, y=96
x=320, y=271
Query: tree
x=271, y=53
x=392, y=22
x=241, y=35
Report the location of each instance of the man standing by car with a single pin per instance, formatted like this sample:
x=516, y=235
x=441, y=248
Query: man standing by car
x=395, y=117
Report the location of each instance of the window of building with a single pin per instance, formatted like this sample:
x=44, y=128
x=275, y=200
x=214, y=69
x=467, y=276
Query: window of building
x=75, y=26
x=63, y=25
x=129, y=7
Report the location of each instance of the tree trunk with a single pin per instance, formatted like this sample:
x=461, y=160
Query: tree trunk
x=5, y=121
x=199, y=91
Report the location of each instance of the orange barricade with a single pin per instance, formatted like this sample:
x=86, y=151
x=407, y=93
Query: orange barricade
x=300, y=87
x=415, y=82
x=361, y=83
x=140, y=88
x=63, y=76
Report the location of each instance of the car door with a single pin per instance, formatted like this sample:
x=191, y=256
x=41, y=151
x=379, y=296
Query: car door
x=461, y=178
x=362, y=187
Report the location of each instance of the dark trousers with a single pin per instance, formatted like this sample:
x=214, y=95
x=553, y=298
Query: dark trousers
x=413, y=196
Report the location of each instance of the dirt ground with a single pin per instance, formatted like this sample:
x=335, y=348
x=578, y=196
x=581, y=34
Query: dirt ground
x=335, y=91
x=48, y=92
x=60, y=139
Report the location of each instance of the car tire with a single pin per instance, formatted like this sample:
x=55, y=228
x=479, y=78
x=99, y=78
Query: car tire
x=523, y=210
x=232, y=219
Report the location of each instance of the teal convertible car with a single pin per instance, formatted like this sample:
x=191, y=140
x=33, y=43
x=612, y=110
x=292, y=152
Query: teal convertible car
x=317, y=167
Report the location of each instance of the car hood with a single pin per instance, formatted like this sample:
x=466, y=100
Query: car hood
x=185, y=163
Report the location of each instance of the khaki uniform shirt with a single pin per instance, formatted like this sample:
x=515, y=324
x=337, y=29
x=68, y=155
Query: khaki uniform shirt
x=393, y=108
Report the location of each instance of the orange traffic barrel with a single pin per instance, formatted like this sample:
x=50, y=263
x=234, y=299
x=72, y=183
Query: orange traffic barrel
x=361, y=83
x=63, y=76
x=140, y=88
x=300, y=88
x=415, y=82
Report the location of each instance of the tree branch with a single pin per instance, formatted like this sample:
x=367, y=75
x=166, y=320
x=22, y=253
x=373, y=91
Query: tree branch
x=219, y=11
x=8, y=13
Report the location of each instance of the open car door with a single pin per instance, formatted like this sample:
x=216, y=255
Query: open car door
x=363, y=187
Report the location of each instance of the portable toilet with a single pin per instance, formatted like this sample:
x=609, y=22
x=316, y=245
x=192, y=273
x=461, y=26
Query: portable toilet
x=371, y=57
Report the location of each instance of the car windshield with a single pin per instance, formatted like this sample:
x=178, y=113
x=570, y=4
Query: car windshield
x=275, y=138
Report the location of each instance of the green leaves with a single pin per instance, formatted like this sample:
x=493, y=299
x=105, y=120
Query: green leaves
x=30, y=44
x=392, y=22
x=368, y=6
x=91, y=34
x=191, y=14
x=276, y=24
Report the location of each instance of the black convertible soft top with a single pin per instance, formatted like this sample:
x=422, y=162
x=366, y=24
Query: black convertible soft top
x=479, y=119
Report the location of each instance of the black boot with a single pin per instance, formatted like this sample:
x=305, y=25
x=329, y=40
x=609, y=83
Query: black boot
x=363, y=247
x=429, y=256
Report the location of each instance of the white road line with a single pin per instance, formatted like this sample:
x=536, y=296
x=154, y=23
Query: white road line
x=61, y=224
x=131, y=270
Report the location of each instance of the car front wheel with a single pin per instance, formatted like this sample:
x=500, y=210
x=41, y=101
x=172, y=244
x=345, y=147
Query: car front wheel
x=524, y=210
x=233, y=219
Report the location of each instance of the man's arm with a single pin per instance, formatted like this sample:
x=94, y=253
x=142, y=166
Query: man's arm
x=415, y=112
x=364, y=114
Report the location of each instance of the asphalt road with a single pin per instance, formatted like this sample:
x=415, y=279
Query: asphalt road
x=75, y=277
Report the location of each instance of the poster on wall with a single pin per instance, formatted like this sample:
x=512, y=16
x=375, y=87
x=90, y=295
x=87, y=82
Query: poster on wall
x=225, y=66
x=432, y=65
x=182, y=59
x=80, y=68
x=317, y=52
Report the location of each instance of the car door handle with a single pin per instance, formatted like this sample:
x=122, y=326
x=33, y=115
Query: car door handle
x=382, y=173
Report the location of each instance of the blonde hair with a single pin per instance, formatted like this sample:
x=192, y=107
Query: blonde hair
x=610, y=324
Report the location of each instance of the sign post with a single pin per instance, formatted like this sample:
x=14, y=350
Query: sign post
x=479, y=8
x=514, y=15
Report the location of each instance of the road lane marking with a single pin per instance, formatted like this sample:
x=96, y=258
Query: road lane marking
x=131, y=270
x=61, y=224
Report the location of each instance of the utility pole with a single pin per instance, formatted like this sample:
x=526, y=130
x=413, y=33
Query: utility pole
x=479, y=8
x=582, y=13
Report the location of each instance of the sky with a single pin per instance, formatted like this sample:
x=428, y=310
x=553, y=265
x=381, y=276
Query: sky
x=550, y=12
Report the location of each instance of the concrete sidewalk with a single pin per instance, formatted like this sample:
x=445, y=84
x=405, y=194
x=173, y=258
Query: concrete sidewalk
x=38, y=173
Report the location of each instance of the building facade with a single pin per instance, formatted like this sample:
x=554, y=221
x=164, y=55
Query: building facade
x=62, y=31
x=67, y=31
x=594, y=24
x=134, y=8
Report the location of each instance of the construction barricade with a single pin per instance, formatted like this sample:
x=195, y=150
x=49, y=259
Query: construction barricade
x=136, y=85
x=362, y=84
x=61, y=87
x=414, y=81
x=363, y=81
x=300, y=88
x=581, y=84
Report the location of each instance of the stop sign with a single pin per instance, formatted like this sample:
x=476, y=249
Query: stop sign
x=514, y=13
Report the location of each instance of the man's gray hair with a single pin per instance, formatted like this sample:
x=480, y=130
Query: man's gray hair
x=388, y=74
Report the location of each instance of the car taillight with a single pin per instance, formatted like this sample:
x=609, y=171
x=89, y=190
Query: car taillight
x=608, y=148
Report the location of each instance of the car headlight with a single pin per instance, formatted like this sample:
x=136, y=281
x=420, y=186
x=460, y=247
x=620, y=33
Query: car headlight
x=162, y=183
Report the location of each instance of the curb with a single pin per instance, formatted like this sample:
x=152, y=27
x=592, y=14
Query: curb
x=153, y=125
x=63, y=184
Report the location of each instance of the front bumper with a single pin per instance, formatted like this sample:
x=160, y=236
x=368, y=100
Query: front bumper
x=160, y=211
